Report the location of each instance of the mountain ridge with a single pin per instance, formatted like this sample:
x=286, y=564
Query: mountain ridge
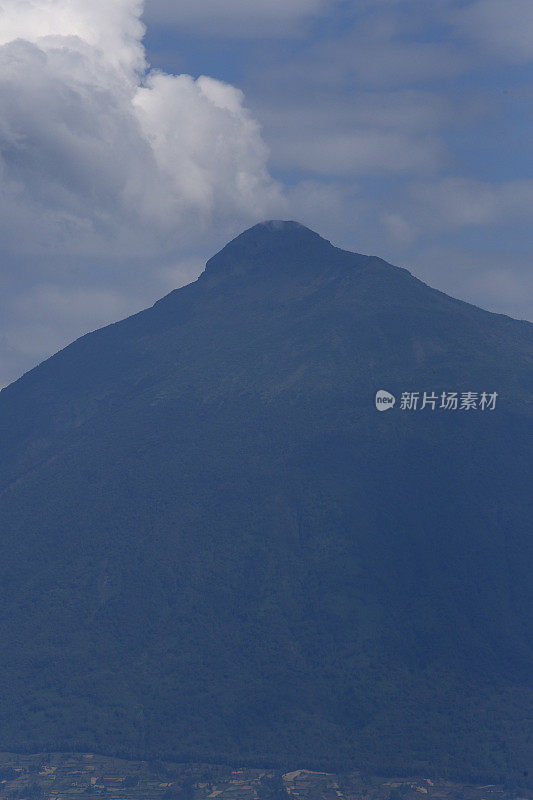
x=214, y=544
x=278, y=226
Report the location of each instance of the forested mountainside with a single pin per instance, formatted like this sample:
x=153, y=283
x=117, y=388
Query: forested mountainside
x=214, y=547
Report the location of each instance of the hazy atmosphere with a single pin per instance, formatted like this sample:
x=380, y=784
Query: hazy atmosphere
x=135, y=141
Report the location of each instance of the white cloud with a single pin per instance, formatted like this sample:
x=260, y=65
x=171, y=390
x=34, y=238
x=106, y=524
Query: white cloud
x=92, y=154
x=208, y=149
x=112, y=28
x=100, y=159
x=108, y=171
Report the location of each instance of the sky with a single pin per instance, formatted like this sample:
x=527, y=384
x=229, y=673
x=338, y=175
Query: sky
x=137, y=138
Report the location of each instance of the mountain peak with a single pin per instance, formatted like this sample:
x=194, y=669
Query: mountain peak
x=367, y=573
x=272, y=245
x=278, y=231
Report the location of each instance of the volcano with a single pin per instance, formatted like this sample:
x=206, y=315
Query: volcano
x=217, y=546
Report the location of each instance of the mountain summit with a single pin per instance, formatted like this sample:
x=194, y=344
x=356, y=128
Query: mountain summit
x=272, y=236
x=215, y=546
x=275, y=243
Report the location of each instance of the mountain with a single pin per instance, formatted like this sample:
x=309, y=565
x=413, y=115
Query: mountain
x=214, y=547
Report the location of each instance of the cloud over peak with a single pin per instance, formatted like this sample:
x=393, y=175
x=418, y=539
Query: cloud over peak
x=102, y=158
x=92, y=145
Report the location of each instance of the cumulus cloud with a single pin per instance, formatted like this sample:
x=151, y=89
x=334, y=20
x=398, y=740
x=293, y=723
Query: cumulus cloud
x=113, y=29
x=118, y=180
x=100, y=157
x=92, y=146
x=207, y=147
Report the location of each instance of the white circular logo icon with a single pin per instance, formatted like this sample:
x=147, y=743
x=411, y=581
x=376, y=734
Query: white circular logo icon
x=384, y=400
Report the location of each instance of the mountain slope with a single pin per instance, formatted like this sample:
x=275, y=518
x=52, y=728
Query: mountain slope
x=213, y=546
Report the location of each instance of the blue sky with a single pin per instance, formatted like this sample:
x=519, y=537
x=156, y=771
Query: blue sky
x=413, y=118
x=400, y=128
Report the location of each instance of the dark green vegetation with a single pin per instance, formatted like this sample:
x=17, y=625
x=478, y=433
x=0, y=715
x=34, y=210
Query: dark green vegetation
x=214, y=548
x=68, y=776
